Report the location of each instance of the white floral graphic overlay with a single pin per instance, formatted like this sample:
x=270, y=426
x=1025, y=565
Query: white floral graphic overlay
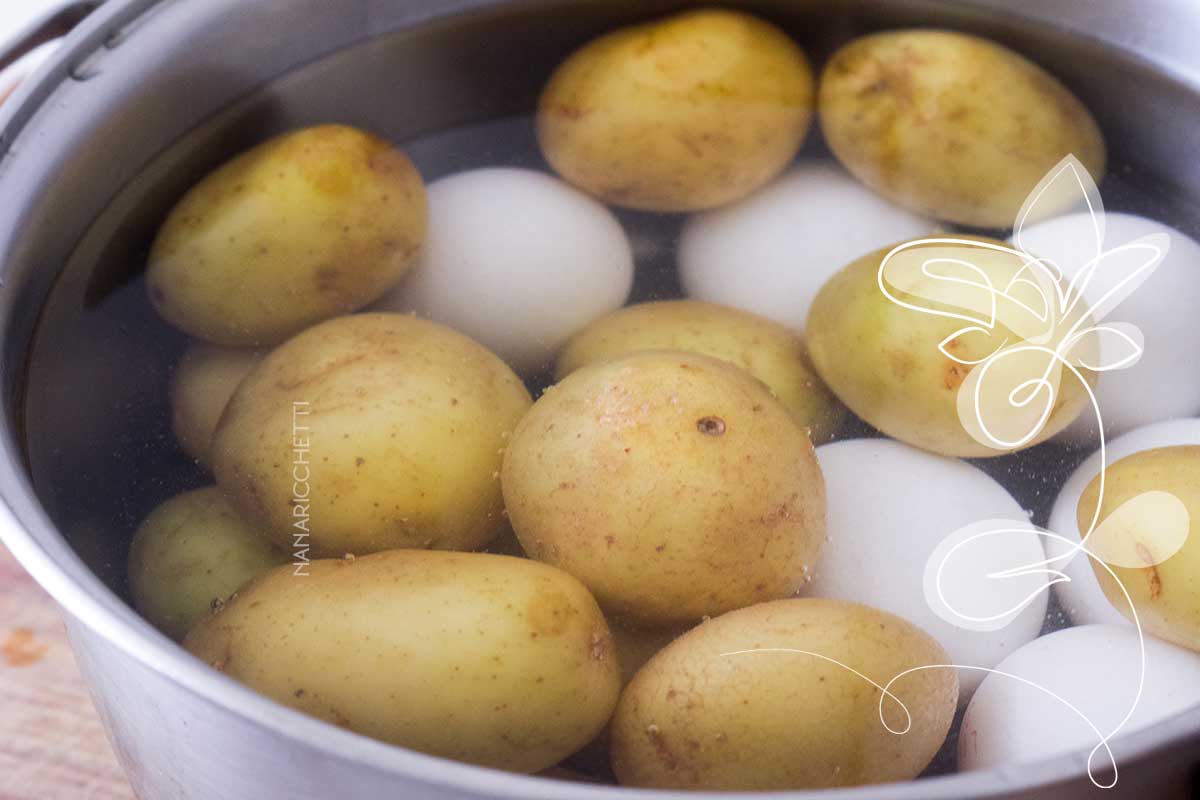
x=1040, y=330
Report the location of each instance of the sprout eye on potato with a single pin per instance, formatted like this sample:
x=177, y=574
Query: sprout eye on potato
x=951, y=125
x=371, y=432
x=191, y=552
x=764, y=349
x=688, y=112
x=306, y=226
x=672, y=484
x=488, y=659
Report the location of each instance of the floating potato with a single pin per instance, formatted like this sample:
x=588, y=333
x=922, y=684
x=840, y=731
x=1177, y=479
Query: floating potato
x=951, y=125
x=687, y=112
x=672, y=484
x=1149, y=535
x=308, y=225
x=915, y=373
x=371, y=432
x=488, y=659
x=766, y=698
x=190, y=554
x=201, y=385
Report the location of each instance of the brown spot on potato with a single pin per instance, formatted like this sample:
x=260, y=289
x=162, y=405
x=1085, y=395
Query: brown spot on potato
x=711, y=426
x=954, y=374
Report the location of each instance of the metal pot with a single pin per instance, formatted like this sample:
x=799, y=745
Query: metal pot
x=145, y=95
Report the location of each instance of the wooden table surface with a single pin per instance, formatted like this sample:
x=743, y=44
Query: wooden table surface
x=52, y=746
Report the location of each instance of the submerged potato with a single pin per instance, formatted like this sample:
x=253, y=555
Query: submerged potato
x=306, y=226
x=493, y=660
x=951, y=125
x=371, y=432
x=192, y=552
x=672, y=484
x=892, y=365
x=765, y=349
x=1165, y=589
x=705, y=714
x=687, y=112
x=201, y=385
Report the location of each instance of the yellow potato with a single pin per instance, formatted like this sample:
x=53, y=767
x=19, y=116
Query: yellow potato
x=672, y=484
x=704, y=714
x=1165, y=591
x=201, y=385
x=371, y=432
x=951, y=125
x=306, y=226
x=493, y=660
x=885, y=362
x=764, y=348
x=687, y=112
x=192, y=552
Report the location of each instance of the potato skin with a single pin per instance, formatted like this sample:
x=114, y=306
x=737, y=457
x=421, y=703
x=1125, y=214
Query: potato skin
x=951, y=125
x=201, y=385
x=764, y=348
x=882, y=360
x=402, y=422
x=306, y=226
x=488, y=659
x=696, y=718
x=191, y=552
x=687, y=112
x=672, y=484
x=1166, y=595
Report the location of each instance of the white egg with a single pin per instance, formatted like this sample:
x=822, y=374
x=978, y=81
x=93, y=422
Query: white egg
x=771, y=252
x=890, y=507
x=1165, y=383
x=1082, y=598
x=1095, y=668
x=517, y=260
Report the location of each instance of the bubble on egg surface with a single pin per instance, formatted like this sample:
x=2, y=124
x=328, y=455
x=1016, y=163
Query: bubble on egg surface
x=890, y=509
x=1081, y=683
x=517, y=260
x=771, y=252
x=1081, y=597
x=1164, y=383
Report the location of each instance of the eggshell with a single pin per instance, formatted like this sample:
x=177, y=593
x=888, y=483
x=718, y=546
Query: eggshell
x=1082, y=598
x=1095, y=668
x=890, y=506
x=1165, y=382
x=517, y=260
x=771, y=252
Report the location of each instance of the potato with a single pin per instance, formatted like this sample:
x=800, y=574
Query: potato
x=705, y=714
x=885, y=362
x=764, y=348
x=371, y=432
x=306, y=226
x=672, y=484
x=951, y=125
x=192, y=552
x=1165, y=591
x=201, y=385
x=489, y=659
x=687, y=112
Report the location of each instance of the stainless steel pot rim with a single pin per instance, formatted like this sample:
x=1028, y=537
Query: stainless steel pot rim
x=35, y=542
